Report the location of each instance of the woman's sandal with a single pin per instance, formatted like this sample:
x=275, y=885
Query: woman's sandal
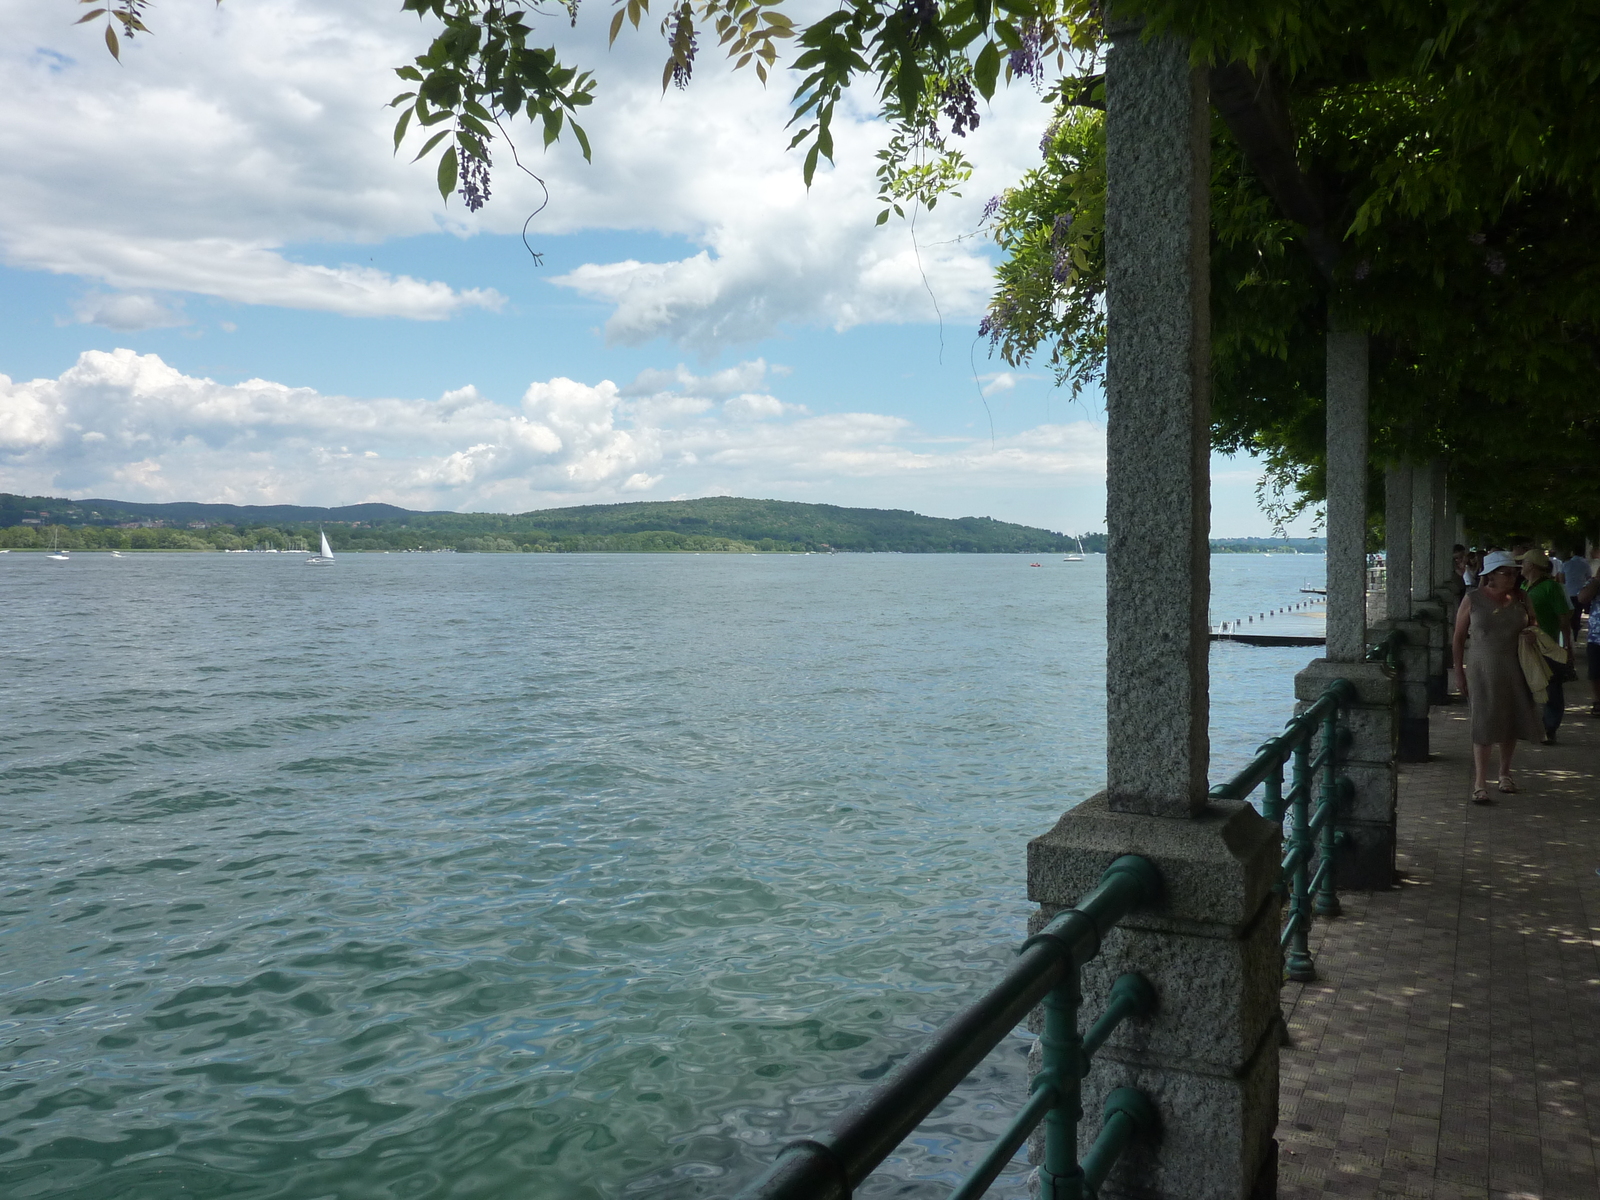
x=1508, y=785
x=1481, y=796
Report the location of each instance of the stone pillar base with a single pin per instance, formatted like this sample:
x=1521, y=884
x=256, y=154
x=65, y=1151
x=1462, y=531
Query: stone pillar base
x=1430, y=614
x=1208, y=1057
x=1366, y=860
x=1414, y=693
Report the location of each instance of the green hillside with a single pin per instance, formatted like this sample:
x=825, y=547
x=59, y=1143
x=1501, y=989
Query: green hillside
x=711, y=524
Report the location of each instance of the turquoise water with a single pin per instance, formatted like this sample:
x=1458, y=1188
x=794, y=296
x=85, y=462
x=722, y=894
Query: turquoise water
x=526, y=876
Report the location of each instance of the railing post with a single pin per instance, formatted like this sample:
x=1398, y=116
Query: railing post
x=1061, y=1046
x=1298, y=964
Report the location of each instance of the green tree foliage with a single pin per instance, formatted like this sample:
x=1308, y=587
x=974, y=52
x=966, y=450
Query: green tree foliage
x=1466, y=247
x=714, y=524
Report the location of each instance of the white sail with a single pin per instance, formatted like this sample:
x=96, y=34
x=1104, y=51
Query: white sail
x=327, y=550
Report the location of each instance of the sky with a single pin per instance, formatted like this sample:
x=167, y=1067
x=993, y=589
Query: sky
x=219, y=283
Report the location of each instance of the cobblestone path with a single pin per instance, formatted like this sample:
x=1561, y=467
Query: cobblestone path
x=1451, y=1047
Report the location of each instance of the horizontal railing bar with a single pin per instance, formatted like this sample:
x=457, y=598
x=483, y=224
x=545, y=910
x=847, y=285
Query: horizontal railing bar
x=1000, y=1154
x=1131, y=996
x=1128, y=1111
x=1289, y=928
x=1278, y=750
x=1319, y=876
x=831, y=1164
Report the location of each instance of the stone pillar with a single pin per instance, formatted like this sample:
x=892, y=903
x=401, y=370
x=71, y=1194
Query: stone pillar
x=1397, y=541
x=1447, y=586
x=1443, y=529
x=1158, y=431
x=1347, y=495
x=1209, y=1058
x=1412, y=720
x=1426, y=506
x=1367, y=815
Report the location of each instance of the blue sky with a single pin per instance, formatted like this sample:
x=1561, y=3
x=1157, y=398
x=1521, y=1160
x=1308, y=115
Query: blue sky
x=216, y=283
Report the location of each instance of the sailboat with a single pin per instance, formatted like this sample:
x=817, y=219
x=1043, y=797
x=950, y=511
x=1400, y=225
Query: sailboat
x=1076, y=556
x=56, y=552
x=325, y=559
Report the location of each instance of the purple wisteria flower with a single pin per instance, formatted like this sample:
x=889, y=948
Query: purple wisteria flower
x=683, y=68
x=474, y=180
x=1027, y=60
x=960, y=104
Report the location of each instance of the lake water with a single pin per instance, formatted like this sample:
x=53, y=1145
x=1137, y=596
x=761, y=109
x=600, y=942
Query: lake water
x=534, y=876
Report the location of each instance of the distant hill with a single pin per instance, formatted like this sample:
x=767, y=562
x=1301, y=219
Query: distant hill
x=14, y=509
x=1268, y=546
x=713, y=523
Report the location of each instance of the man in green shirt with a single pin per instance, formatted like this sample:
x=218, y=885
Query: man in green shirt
x=1548, y=600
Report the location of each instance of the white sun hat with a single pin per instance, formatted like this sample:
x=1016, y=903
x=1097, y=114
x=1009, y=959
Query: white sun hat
x=1494, y=560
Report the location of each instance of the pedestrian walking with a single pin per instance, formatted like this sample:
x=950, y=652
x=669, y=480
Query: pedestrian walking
x=1553, y=614
x=1575, y=575
x=1587, y=598
x=1491, y=622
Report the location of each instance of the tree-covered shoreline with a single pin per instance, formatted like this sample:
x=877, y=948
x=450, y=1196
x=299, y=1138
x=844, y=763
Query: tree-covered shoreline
x=711, y=525
x=718, y=524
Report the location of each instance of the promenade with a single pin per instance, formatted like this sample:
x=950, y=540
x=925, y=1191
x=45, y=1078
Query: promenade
x=1451, y=1046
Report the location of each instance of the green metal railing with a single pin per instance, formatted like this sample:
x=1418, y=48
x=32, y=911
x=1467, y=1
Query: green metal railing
x=830, y=1165
x=1312, y=743
x=1387, y=651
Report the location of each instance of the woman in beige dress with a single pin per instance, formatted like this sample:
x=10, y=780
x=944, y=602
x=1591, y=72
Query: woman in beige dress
x=1492, y=618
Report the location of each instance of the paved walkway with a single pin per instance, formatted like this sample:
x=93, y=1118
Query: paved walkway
x=1451, y=1047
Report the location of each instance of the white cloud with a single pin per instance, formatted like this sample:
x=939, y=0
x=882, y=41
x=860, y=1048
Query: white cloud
x=222, y=138
x=132, y=427
x=126, y=313
x=1003, y=381
x=232, y=134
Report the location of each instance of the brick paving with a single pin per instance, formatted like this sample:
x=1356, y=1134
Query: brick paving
x=1451, y=1046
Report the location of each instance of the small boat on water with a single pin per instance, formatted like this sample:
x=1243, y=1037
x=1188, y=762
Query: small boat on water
x=117, y=554
x=56, y=552
x=325, y=559
x=1077, y=555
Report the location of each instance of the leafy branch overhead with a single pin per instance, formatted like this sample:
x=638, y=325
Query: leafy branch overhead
x=123, y=13
x=927, y=63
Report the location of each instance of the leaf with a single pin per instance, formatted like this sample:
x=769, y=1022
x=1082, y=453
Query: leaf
x=987, y=70
x=89, y=16
x=811, y=164
x=447, y=172
x=431, y=143
x=583, y=139
x=616, y=24
x=400, y=129
x=111, y=43
x=883, y=217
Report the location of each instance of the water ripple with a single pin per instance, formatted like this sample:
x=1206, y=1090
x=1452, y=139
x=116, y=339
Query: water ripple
x=493, y=876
